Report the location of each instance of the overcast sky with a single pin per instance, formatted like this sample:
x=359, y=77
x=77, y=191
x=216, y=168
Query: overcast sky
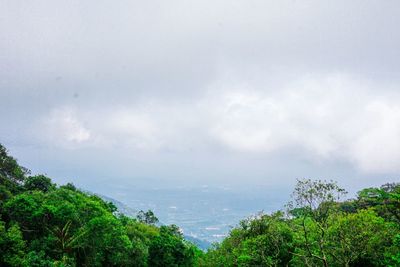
x=202, y=92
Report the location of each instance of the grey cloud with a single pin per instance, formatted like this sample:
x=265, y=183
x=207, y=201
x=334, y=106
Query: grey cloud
x=202, y=78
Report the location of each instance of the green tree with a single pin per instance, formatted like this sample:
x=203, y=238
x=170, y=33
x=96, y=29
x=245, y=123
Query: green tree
x=267, y=241
x=106, y=237
x=358, y=239
x=168, y=249
x=384, y=200
x=69, y=186
x=392, y=255
x=39, y=182
x=147, y=217
x=317, y=200
x=12, y=246
x=140, y=235
x=11, y=174
x=26, y=210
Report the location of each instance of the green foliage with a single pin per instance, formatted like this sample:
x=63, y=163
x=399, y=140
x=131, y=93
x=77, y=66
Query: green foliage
x=318, y=230
x=315, y=202
x=316, y=199
x=69, y=186
x=45, y=225
x=264, y=240
x=392, y=255
x=358, y=239
x=39, y=182
x=268, y=241
x=38, y=259
x=65, y=227
x=105, y=236
x=12, y=246
x=384, y=200
x=168, y=249
x=9, y=168
x=147, y=217
x=11, y=175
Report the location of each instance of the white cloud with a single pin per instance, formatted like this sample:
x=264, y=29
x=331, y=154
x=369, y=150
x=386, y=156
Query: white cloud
x=62, y=127
x=327, y=117
x=203, y=84
x=129, y=127
x=378, y=148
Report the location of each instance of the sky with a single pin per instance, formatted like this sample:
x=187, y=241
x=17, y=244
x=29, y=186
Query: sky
x=171, y=93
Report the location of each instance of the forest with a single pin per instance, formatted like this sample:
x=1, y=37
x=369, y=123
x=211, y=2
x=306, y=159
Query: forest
x=44, y=224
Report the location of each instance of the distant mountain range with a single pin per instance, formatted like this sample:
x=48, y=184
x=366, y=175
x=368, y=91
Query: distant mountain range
x=124, y=209
x=202, y=244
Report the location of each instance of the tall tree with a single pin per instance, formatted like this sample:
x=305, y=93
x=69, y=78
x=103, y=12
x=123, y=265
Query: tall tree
x=317, y=201
x=12, y=175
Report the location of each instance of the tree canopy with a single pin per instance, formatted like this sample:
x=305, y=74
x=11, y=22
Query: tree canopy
x=42, y=224
x=319, y=228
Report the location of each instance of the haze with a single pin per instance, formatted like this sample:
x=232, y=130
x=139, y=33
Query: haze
x=241, y=94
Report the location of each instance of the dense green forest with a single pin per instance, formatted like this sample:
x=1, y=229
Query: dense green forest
x=319, y=230
x=42, y=224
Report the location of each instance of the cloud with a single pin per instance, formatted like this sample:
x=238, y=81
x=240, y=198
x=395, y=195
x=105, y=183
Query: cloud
x=307, y=112
x=206, y=82
x=62, y=128
x=326, y=117
x=378, y=148
x=330, y=117
x=129, y=127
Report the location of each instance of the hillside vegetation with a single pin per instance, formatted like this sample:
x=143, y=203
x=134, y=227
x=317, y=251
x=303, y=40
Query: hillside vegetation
x=319, y=230
x=43, y=224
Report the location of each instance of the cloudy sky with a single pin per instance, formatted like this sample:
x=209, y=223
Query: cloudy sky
x=202, y=92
